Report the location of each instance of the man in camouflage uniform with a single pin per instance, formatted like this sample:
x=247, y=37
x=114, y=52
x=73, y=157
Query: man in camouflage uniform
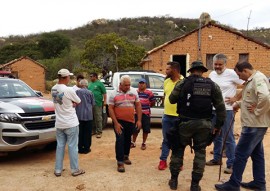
x=195, y=96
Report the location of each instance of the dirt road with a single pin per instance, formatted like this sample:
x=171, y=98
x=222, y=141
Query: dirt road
x=33, y=170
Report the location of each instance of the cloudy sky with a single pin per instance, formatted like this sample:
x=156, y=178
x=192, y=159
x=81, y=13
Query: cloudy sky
x=23, y=17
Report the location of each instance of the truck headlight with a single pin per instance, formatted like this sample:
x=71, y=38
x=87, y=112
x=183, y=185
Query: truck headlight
x=9, y=118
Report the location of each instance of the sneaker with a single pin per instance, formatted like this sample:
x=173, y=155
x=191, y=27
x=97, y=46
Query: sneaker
x=143, y=147
x=120, y=167
x=228, y=170
x=57, y=174
x=132, y=144
x=162, y=165
x=127, y=161
x=99, y=135
x=213, y=162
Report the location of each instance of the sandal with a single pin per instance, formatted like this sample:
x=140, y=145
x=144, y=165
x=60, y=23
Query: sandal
x=78, y=172
x=57, y=174
x=132, y=144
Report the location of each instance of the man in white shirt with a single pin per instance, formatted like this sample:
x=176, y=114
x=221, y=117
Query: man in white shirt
x=66, y=123
x=255, y=120
x=227, y=80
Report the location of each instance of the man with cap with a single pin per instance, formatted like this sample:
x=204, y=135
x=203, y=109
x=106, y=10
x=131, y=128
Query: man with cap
x=66, y=123
x=195, y=96
x=147, y=100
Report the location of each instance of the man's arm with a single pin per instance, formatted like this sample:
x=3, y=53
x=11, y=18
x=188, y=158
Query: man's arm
x=138, y=108
x=104, y=100
x=263, y=99
x=219, y=105
x=71, y=94
x=117, y=126
x=231, y=100
x=152, y=99
x=174, y=96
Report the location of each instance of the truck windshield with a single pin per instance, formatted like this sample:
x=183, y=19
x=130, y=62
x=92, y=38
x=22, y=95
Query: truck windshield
x=13, y=89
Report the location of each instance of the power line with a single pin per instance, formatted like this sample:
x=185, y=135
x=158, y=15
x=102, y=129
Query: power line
x=234, y=11
x=248, y=22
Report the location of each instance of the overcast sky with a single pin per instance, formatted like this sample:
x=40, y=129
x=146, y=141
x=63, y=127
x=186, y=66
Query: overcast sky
x=23, y=17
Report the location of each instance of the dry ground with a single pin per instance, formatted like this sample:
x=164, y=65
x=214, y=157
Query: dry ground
x=33, y=170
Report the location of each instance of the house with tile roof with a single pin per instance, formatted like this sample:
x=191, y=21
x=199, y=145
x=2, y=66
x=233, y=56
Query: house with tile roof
x=203, y=43
x=27, y=70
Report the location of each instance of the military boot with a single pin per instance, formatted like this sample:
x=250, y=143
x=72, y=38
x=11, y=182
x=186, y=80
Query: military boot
x=196, y=177
x=173, y=182
x=195, y=186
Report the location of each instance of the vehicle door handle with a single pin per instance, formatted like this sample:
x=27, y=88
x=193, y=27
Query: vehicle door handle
x=155, y=93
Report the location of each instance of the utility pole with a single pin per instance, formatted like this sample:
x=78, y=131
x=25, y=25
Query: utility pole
x=248, y=21
x=116, y=52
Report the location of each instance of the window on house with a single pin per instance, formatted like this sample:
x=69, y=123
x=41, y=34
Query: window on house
x=209, y=61
x=243, y=57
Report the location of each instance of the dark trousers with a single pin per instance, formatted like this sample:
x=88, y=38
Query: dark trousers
x=85, y=136
x=195, y=132
x=122, y=144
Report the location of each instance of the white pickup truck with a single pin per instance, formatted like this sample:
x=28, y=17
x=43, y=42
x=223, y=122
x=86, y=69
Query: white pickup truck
x=154, y=83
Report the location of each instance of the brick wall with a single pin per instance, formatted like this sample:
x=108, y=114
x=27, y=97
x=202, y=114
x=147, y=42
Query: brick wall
x=213, y=40
x=31, y=73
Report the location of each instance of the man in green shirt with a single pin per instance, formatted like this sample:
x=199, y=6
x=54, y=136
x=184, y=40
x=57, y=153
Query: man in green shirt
x=99, y=92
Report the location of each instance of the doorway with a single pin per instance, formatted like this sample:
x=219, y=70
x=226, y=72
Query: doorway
x=182, y=59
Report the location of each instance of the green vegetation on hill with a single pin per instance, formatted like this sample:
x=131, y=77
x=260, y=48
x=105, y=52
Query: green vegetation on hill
x=70, y=48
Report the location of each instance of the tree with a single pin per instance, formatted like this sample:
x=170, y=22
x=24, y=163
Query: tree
x=53, y=44
x=14, y=51
x=68, y=59
x=107, y=51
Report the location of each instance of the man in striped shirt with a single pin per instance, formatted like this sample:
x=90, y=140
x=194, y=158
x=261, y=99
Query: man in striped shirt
x=147, y=100
x=122, y=103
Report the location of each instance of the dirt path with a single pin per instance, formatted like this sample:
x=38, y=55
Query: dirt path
x=33, y=171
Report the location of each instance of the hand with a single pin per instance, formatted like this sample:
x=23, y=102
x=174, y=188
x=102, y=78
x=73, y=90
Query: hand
x=235, y=107
x=251, y=108
x=138, y=125
x=216, y=131
x=230, y=100
x=118, y=128
x=74, y=104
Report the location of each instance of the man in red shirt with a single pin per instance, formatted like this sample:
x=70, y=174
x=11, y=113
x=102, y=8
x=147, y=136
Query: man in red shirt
x=122, y=103
x=147, y=100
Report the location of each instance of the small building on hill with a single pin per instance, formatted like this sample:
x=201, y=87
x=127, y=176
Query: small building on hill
x=203, y=43
x=27, y=70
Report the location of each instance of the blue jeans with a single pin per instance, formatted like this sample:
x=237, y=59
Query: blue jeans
x=70, y=137
x=168, y=122
x=250, y=144
x=122, y=144
x=230, y=141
